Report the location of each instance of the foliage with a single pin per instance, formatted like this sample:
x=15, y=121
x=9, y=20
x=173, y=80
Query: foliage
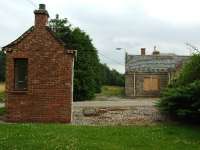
x=58, y=136
x=2, y=111
x=190, y=71
x=111, y=77
x=2, y=92
x=2, y=66
x=89, y=74
x=2, y=96
x=112, y=91
x=181, y=100
x=87, y=70
x=2, y=87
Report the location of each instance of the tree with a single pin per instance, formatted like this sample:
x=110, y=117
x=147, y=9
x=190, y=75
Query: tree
x=87, y=79
x=181, y=100
x=191, y=71
x=111, y=77
x=2, y=66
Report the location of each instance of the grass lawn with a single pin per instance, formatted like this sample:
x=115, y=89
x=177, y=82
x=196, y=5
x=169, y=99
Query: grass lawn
x=2, y=92
x=112, y=91
x=59, y=136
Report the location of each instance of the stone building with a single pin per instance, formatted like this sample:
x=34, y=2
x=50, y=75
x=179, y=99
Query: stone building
x=39, y=75
x=148, y=75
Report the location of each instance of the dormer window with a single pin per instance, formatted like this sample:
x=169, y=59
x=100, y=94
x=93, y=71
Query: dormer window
x=20, y=74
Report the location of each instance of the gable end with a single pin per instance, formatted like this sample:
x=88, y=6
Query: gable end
x=25, y=34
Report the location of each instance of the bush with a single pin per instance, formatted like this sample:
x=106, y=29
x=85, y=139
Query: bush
x=181, y=100
x=111, y=77
x=2, y=65
x=182, y=103
x=190, y=71
x=2, y=96
x=2, y=111
x=87, y=80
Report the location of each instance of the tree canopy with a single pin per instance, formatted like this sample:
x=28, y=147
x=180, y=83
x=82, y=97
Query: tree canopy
x=89, y=73
x=111, y=77
x=191, y=71
x=87, y=79
x=2, y=66
x=181, y=99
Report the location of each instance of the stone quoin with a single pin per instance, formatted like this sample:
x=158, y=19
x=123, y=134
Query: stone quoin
x=39, y=75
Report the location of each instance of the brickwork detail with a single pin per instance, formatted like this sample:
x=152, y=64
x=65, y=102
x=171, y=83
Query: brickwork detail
x=49, y=95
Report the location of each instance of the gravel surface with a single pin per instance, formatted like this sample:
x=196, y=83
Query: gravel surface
x=112, y=102
x=116, y=111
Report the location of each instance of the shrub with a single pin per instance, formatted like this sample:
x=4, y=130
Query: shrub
x=2, y=65
x=2, y=111
x=2, y=96
x=190, y=71
x=182, y=102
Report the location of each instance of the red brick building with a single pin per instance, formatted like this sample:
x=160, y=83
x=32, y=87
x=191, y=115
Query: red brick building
x=39, y=75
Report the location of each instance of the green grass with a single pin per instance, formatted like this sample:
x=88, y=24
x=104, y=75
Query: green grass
x=52, y=136
x=2, y=92
x=2, y=111
x=112, y=91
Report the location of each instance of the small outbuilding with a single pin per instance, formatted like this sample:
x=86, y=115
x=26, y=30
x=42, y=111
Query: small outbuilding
x=148, y=75
x=39, y=75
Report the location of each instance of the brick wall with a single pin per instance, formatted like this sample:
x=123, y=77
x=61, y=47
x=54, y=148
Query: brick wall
x=49, y=94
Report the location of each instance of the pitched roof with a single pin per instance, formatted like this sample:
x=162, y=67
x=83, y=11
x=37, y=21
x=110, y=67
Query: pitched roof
x=18, y=39
x=31, y=29
x=153, y=63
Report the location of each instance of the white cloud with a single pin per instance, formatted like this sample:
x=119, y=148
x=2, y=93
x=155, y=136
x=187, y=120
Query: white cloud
x=174, y=11
x=130, y=24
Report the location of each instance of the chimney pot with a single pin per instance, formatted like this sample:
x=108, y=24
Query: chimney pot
x=42, y=7
x=156, y=53
x=143, y=51
x=41, y=16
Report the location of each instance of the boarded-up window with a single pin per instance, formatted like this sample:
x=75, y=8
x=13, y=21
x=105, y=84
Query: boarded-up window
x=155, y=84
x=147, y=84
x=151, y=84
x=20, y=71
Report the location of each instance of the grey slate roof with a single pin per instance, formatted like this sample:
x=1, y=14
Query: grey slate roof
x=153, y=63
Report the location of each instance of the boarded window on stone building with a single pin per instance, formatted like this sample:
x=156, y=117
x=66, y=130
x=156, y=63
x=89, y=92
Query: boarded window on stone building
x=151, y=84
x=20, y=74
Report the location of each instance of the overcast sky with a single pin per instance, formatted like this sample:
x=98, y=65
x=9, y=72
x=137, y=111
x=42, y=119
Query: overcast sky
x=129, y=24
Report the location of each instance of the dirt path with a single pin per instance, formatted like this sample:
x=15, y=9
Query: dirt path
x=115, y=110
x=116, y=101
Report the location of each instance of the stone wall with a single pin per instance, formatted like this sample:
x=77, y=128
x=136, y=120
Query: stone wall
x=129, y=83
x=139, y=79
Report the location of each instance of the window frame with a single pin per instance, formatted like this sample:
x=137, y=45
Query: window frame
x=15, y=88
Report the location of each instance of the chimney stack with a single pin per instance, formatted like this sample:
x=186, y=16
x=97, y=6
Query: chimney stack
x=156, y=52
x=143, y=51
x=41, y=16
